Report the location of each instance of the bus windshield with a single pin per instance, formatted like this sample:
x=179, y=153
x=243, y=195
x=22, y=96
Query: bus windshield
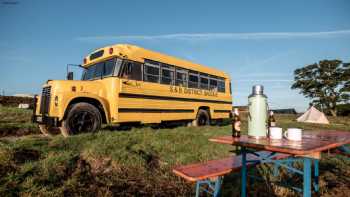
x=102, y=69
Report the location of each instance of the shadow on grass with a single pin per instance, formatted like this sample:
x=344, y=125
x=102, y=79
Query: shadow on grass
x=232, y=185
x=130, y=126
x=163, y=125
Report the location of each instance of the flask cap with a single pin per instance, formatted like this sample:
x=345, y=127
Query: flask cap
x=258, y=89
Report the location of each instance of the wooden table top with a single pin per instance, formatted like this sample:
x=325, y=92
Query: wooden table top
x=312, y=142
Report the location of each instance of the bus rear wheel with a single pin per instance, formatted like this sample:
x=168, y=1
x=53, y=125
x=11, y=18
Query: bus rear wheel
x=203, y=118
x=81, y=118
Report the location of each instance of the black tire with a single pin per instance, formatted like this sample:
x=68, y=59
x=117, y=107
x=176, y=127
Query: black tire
x=203, y=118
x=81, y=118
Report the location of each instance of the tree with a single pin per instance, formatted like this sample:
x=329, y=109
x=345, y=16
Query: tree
x=327, y=83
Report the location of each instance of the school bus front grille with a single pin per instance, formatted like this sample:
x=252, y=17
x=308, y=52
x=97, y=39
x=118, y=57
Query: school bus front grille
x=45, y=100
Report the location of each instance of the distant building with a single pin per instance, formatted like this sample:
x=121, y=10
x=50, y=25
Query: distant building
x=244, y=108
x=17, y=101
x=284, y=111
x=24, y=95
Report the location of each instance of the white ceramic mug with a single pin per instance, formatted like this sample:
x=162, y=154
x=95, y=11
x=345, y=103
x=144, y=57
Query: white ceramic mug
x=294, y=134
x=275, y=133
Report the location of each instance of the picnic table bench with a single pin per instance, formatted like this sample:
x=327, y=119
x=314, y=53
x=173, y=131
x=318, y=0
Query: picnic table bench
x=280, y=153
x=210, y=173
x=308, y=151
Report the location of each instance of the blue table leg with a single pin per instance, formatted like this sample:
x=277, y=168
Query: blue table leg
x=217, y=187
x=316, y=173
x=197, y=188
x=307, y=177
x=244, y=173
x=344, y=149
x=275, y=170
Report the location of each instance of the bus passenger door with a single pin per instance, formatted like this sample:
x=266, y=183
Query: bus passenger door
x=130, y=102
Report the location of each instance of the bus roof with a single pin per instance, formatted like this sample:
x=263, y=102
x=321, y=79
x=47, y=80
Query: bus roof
x=139, y=54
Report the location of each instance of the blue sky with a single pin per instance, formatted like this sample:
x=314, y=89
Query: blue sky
x=256, y=42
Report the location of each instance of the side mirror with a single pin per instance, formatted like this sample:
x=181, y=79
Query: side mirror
x=70, y=76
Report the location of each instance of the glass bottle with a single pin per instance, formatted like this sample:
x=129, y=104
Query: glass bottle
x=271, y=120
x=236, y=124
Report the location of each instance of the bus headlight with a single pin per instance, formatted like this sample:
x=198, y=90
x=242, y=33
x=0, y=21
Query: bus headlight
x=56, y=101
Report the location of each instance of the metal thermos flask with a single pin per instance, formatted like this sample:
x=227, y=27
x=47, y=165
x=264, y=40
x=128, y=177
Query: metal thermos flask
x=257, y=117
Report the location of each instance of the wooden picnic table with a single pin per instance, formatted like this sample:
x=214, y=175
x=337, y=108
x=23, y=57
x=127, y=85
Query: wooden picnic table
x=308, y=150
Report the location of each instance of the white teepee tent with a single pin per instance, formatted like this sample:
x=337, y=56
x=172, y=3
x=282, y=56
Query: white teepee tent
x=312, y=115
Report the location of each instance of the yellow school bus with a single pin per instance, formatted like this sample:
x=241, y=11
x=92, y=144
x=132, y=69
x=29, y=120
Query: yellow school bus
x=128, y=84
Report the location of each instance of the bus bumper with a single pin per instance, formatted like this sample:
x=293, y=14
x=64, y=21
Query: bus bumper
x=46, y=120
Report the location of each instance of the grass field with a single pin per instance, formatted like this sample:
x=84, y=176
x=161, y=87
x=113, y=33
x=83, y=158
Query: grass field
x=16, y=122
x=135, y=162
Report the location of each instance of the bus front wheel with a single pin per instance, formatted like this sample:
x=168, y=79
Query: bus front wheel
x=203, y=118
x=82, y=117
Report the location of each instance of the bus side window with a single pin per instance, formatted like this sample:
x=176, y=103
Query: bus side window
x=204, y=82
x=151, y=71
x=132, y=70
x=213, y=84
x=221, y=85
x=193, y=80
x=181, y=77
x=136, y=71
x=168, y=76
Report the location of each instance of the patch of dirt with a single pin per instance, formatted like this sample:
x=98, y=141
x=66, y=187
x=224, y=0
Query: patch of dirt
x=102, y=177
x=152, y=159
x=101, y=166
x=83, y=171
x=129, y=181
x=21, y=156
x=17, y=131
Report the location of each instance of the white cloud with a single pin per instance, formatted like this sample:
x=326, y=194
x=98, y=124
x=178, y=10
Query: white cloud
x=220, y=36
